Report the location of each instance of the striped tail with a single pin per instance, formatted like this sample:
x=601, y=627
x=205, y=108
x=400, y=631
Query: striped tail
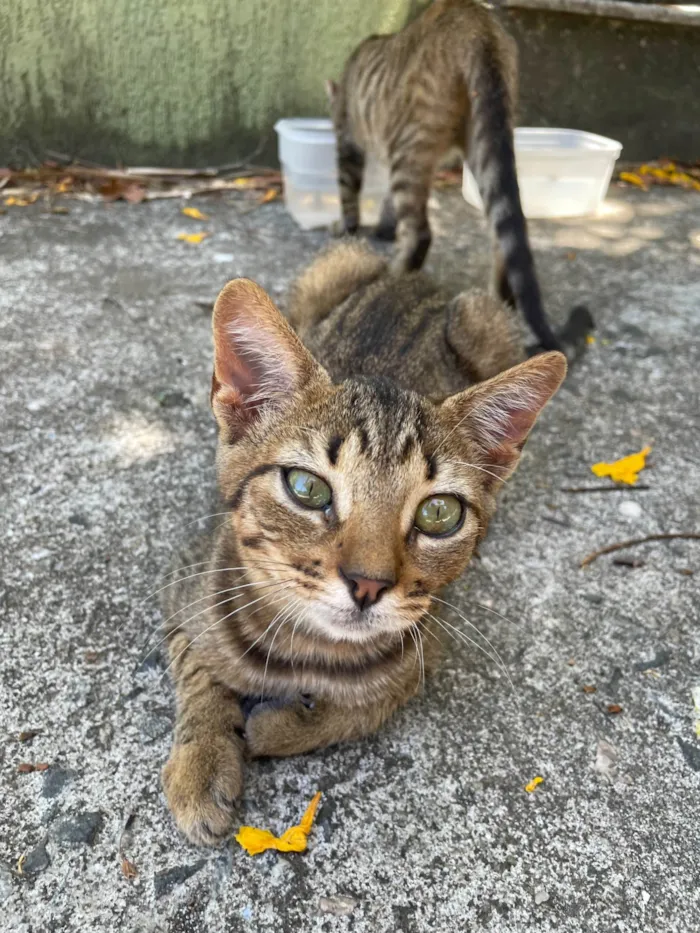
x=492, y=160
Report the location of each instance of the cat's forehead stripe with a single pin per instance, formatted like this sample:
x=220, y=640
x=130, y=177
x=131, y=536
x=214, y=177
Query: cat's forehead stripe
x=333, y=449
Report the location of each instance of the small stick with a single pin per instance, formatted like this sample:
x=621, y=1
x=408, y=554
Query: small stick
x=690, y=535
x=641, y=487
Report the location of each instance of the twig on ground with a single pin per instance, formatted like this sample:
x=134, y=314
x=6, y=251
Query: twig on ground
x=668, y=536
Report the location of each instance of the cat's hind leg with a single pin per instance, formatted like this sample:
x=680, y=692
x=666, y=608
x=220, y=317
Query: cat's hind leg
x=351, y=167
x=411, y=177
x=386, y=228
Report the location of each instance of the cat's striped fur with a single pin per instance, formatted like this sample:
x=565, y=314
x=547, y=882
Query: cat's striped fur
x=269, y=653
x=446, y=80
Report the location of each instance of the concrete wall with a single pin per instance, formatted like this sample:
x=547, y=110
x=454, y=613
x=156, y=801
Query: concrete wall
x=176, y=82
x=170, y=81
x=636, y=82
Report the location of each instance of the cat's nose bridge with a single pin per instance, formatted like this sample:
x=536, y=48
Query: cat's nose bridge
x=370, y=546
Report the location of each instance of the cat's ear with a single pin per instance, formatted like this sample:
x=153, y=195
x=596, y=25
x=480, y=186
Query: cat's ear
x=260, y=364
x=498, y=414
x=331, y=90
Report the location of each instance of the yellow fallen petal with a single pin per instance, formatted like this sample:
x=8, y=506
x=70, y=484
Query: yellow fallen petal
x=625, y=470
x=590, y=339
x=255, y=841
x=533, y=784
x=192, y=237
x=20, y=202
x=307, y=820
x=633, y=179
x=269, y=195
x=194, y=213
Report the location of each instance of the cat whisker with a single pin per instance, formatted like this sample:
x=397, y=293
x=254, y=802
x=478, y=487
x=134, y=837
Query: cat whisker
x=429, y=631
x=203, y=518
x=422, y=656
x=260, y=637
x=230, y=589
x=412, y=633
x=496, y=613
x=202, y=573
x=291, y=641
x=481, y=469
x=459, y=634
x=223, y=619
x=285, y=618
x=480, y=634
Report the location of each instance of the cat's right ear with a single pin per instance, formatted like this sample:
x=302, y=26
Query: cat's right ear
x=331, y=90
x=260, y=364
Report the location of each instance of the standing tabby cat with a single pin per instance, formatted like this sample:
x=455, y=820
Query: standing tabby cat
x=446, y=80
x=358, y=471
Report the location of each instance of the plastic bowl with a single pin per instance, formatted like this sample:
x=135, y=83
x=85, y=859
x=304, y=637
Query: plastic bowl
x=561, y=173
x=308, y=156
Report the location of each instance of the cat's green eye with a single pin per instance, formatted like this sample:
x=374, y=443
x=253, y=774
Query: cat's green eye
x=439, y=515
x=309, y=489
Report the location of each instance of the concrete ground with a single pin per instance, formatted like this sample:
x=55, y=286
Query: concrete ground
x=107, y=451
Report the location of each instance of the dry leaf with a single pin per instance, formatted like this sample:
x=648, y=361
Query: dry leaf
x=614, y=708
x=20, y=863
x=129, y=870
x=625, y=470
x=21, y=202
x=194, y=213
x=633, y=179
x=25, y=768
x=134, y=194
x=27, y=735
x=255, y=841
x=588, y=688
x=192, y=237
x=533, y=784
x=116, y=189
x=42, y=766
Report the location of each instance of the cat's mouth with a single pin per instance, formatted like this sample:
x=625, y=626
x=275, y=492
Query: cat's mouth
x=350, y=623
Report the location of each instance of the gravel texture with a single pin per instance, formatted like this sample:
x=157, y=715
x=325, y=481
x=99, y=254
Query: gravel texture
x=107, y=456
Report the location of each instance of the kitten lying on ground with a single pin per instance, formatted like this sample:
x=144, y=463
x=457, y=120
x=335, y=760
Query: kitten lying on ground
x=359, y=470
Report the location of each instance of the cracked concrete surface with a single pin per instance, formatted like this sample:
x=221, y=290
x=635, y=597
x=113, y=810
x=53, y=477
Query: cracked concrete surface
x=107, y=456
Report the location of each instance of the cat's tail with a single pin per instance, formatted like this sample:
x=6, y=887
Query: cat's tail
x=492, y=160
x=331, y=278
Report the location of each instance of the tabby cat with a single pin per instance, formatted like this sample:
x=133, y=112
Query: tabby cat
x=446, y=80
x=358, y=471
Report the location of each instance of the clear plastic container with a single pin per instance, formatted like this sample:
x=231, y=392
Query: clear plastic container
x=561, y=173
x=308, y=156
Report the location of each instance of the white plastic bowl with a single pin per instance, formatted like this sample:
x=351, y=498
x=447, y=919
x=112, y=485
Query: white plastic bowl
x=561, y=173
x=308, y=156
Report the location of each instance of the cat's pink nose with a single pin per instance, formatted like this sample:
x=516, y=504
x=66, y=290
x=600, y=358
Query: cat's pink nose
x=365, y=591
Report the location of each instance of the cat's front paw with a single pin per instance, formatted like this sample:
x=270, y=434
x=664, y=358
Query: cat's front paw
x=203, y=783
x=278, y=731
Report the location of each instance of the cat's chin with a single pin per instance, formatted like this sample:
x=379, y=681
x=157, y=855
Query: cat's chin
x=350, y=624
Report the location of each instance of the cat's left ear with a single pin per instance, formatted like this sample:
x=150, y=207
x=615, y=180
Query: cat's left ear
x=331, y=90
x=260, y=365
x=498, y=415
